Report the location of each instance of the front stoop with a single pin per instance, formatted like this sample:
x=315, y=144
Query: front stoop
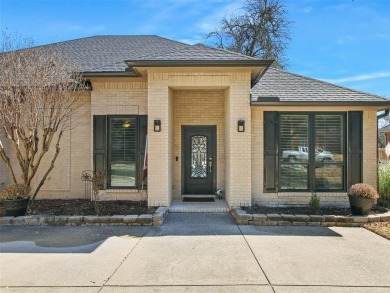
x=218, y=206
x=157, y=219
x=242, y=218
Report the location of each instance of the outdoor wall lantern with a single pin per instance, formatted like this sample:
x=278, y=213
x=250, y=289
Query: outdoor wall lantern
x=241, y=126
x=157, y=125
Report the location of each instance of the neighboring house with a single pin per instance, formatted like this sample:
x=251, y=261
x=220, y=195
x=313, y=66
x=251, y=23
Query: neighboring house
x=386, y=131
x=385, y=152
x=215, y=119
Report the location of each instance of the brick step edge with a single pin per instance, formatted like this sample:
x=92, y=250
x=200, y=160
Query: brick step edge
x=242, y=218
x=157, y=219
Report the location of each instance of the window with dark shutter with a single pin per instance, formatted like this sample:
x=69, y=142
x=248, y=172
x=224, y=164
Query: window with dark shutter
x=119, y=146
x=355, y=146
x=99, y=143
x=309, y=152
x=270, y=151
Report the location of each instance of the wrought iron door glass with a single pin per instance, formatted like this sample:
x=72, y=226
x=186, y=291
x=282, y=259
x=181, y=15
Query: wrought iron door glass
x=198, y=156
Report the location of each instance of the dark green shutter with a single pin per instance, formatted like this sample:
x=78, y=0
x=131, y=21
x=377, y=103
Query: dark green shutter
x=270, y=151
x=99, y=143
x=355, y=146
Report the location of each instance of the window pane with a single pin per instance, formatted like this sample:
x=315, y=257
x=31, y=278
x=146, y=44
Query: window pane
x=293, y=176
x=329, y=138
x=329, y=152
x=123, y=148
x=329, y=177
x=294, y=151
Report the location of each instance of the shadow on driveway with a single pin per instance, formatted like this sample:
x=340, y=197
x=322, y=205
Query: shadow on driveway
x=86, y=239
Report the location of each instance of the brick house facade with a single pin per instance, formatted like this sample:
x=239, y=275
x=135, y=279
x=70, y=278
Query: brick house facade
x=253, y=116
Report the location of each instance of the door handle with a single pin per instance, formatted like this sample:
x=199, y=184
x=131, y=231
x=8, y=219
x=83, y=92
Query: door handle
x=210, y=164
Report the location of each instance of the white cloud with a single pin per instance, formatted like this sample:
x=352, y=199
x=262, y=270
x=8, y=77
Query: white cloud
x=361, y=77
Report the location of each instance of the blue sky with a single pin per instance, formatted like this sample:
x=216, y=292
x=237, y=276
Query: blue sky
x=346, y=42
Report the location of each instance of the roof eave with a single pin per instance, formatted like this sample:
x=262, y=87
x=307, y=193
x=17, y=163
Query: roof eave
x=384, y=104
x=197, y=63
x=111, y=74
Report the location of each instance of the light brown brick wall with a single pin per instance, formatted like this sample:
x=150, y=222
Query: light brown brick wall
x=117, y=97
x=198, y=107
x=301, y=198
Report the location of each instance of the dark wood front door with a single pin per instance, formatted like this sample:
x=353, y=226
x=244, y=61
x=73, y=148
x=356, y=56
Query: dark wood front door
x=199, y=159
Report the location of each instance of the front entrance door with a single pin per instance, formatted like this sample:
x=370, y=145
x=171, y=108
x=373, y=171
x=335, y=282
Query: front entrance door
x=199, y=159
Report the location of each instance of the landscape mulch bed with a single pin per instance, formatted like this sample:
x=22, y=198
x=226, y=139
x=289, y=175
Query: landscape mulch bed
x=305, y=211
x=84, y=207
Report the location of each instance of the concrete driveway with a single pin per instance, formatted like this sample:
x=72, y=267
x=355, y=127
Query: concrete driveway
x=193, y=253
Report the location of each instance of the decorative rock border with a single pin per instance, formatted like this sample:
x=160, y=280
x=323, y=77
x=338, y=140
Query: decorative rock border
x=242, y=218
x=157, y=219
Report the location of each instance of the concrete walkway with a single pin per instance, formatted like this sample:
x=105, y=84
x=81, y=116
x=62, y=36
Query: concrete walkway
x=193, y=253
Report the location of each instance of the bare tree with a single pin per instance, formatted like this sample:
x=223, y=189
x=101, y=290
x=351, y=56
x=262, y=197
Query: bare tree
x=39, y=94
x=261, y=31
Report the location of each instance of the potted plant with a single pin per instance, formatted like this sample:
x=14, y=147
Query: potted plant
x=15, y=198
x=361, y=198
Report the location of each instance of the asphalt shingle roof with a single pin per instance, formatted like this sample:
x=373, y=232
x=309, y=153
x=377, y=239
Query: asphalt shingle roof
x=196, y=52
x=108, y=53
x=284, y=86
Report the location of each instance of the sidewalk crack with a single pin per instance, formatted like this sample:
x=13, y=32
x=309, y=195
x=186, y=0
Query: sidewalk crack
x=261, y=268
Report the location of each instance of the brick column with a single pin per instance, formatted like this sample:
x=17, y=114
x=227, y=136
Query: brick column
x=159, y=143
x=238, y=144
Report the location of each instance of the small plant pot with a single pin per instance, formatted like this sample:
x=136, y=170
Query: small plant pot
x=360, y=206
x=16, y=207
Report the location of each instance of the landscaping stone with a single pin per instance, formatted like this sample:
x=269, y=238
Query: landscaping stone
x=288, y=217
x=6, y=220
x=284, y=223
x=358, y=219
x=91, y=219
x=259, y=217
x=316, y=218
x=329, y=218
x=302, y=218
x=314, y=224
x=33, y=221
x=274, y=217
x=47, y=220
x=144, y=219
x=130, y=219
x=104, y=220
x=374, y=218
x=19, y=220
x=343, y=219
x=385, y=217
x=60, y=219
x=117, y=219
x=75, y=219
x=328, y=224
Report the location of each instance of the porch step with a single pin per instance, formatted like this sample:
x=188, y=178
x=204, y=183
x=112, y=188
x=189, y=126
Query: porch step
x=199, y=195
x=218, y=206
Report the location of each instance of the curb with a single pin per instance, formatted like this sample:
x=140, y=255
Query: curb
x=242, y=218
x=157, y=219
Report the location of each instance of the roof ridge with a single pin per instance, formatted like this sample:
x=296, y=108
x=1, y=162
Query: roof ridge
x=227, y=51
x=328, y=83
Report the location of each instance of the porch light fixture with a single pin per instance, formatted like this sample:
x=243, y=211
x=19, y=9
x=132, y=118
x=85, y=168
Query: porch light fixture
x=126, y=124
x=157, y=125
x=241, y=126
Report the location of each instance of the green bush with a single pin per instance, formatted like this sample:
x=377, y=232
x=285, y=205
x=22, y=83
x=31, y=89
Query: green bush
x=384, y=185
x=314, y=203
